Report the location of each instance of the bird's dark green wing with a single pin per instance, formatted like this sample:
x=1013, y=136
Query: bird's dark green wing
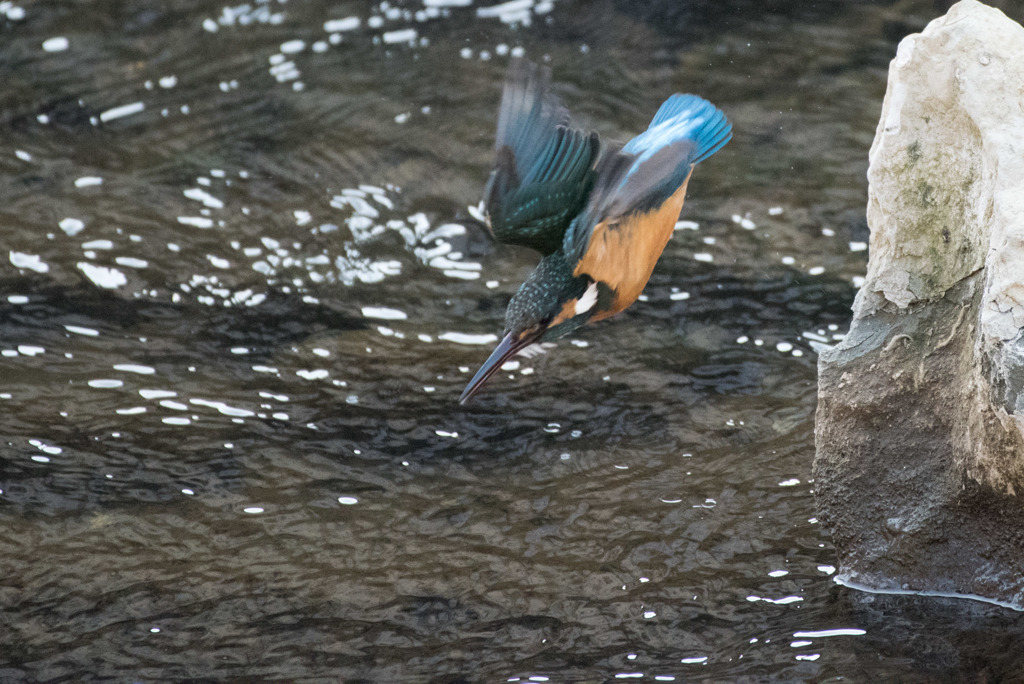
x=545, y=168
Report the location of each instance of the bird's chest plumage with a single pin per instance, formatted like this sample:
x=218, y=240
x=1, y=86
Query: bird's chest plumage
x=622, y=253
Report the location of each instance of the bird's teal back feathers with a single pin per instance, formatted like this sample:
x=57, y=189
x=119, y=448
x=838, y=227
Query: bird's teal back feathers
x=647, y=170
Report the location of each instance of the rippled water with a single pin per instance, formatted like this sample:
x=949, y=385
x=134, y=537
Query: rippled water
x=239, y=300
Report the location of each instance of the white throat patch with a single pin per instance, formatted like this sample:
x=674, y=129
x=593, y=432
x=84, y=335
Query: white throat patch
x=587, y=301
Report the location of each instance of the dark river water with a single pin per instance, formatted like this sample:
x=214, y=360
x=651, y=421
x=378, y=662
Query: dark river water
x=239, y=298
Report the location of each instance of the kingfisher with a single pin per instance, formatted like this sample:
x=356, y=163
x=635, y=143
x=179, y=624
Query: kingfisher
x=600, y=214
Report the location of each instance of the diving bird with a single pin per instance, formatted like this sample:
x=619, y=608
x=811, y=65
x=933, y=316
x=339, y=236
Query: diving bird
x=600, y=215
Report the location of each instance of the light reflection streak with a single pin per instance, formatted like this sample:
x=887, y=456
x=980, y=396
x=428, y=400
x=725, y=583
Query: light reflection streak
x=78, y=330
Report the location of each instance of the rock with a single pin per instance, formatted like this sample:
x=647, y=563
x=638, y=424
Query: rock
x=919, y=470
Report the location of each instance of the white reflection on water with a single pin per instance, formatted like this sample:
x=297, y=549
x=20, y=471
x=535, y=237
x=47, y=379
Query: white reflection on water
x=32, y=262
x=822, y=633
x=244, y=15
x=197, y=221
x=223, y=408
x=122, y=111
x=200, y=195
x=340, y=25
x=104, y=383
x=103, y=276
x=135, y=368
x=400, y=36
x=131, y=411
x=156, y=393
x=55, y=44
x=467, y=338
x=292, y=264
x=780, y=601
x=45, y=448
x=516, y=11
x=283, y=70
x=173, y=405
x=275, y=397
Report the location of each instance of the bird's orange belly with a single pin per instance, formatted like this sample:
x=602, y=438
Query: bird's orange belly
x=623, y=254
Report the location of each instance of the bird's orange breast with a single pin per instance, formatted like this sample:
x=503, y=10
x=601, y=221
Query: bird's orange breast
x=622, y=252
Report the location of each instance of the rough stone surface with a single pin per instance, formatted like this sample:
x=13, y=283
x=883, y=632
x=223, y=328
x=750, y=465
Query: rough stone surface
x=919, y=471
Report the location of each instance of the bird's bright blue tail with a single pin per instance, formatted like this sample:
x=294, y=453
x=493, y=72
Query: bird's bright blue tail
x=683, y=118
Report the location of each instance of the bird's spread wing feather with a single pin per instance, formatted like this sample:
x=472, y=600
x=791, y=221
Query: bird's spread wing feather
x=529, y=112
x=649, y=169
x=544, y=167
x=566, y=156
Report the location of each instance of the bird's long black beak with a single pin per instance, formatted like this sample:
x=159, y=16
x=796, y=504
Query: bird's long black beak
x=505, y=350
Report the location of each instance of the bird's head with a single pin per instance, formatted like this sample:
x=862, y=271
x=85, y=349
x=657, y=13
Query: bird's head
x=551, y=303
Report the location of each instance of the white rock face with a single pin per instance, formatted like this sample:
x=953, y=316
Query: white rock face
x=946, y=178
x=919, y=467
x=946, y=185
